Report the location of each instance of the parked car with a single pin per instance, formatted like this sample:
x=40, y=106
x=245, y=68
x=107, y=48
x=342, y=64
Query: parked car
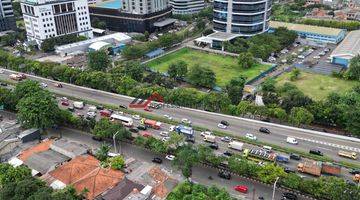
x=134, y=130
x=43, y=85
x=354, y=171
x=157, y=160
x=170, y=157
x=97, y=138
x=316, y=152
x=91, y=114
x=3, y=84
x=100, y=107
x=241, y=188
x=295, y=156
x=288, y=196
x=250, y=136
x=165, y=139
x=185, y=121
x=264, y=130
x=289, y=170
x=190, y=139
x=65, y=103
x=147, y=109
x=172, y=128
x=136, y=117
x=105, y=113
x=205, y=133
x=214, y=146
x=228, y=153
x=122, y=106
x=141, y=127
x=71, y=109
x=224, y=175
x=164, y=133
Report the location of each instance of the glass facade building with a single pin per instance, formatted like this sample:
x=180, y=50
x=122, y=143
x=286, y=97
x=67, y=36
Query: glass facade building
x=243, y=17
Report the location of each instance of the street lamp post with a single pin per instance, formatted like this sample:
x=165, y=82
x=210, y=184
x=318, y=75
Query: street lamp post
x=273, y=195
x=115, y=140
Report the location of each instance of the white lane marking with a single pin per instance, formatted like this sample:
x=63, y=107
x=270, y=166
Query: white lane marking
x=329, y=144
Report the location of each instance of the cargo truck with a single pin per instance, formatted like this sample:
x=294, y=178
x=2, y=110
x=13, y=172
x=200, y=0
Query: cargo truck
x=283, y=158
x=152, y=123
x=259, y=153
x=347, y=154
x=186, y=130
x=316, y=168
x=15, y=77
x=236, y=145
x=209, y=138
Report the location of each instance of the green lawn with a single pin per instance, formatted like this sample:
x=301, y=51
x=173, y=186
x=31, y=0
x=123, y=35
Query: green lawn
x=317, y=86
x=225, y=67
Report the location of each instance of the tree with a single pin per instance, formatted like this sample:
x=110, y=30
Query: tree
x=268, y=85
x=295, y=73
x=291, y=97
x=117, y=162
x=246, y=60
x=270, y=172
x=235, y=88
x=98, y=60
x=102, y=152
x=175, y=140
x=37, y=110
x=185, y=159
x=134, y=70
x=202, y=76
x=178, y=70
x=354, y=68
x=106, y=129
x=300, y=115
x=26, y=88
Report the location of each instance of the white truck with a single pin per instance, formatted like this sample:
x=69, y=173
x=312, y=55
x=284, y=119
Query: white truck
x=236, y=145
x=209, y=138
x=78, y=104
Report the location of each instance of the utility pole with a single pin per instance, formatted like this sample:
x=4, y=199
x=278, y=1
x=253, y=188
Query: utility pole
x=115, y=140
x=273, y=195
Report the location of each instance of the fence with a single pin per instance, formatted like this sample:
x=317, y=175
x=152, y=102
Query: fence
x=262, y=75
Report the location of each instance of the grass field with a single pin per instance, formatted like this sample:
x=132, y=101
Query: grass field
x=317, y=86
x=225, y=67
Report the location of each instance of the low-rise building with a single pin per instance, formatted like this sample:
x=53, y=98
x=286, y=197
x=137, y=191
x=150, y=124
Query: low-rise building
x=347, y=49
x=316, y=33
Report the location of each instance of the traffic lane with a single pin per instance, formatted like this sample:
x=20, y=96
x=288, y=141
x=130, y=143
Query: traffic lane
x=199, y=173
x=101, y=97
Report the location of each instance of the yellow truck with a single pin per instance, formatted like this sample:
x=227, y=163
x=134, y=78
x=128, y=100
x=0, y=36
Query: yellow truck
x=347, y=154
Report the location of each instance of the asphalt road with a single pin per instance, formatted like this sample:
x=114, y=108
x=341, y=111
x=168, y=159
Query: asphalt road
x=238, y=126
x=200, y=173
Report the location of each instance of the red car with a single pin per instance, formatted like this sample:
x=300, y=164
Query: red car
x=105, y=113
x=147, y=109
x=145, y=134
x=241, y=188
x=59, y=85
x=65, y=103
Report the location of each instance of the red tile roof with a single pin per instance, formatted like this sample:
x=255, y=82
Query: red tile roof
x=41, y=147
x=85, y=172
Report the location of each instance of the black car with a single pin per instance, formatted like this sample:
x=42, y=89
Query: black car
x=100, y=107
x=224, y=175
x=289, y=196
x=97, y=138
x=3, y=84
x=157, y=160
x=264, y=130
x=122, y=106
x=295, y=156
x=223, y=165
x=214, y=146
x=354, y=171
x=71, y=109
x=224, y=123
x=190, y=139
x=316, y=152
x=141, y=127
x=134, y=130
x=228, y=153
x=289, y=170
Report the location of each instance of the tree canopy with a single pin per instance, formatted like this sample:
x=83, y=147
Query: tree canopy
x=98, y=60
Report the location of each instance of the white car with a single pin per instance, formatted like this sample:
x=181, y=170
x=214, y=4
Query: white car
x=136, y=117
x=316, y=57
x=322, y=53
x=226, y=139
x=250, y=136
x=91, y=114
x=1, y=71
x=164, y=133
x=185, y=121
x=170, y=157
x=222, y=126
x=205, y=133
x=301, y=56
x=165, y=139
x=43, y=85
x=168, y=117
x=291, y=140
x=172, y=128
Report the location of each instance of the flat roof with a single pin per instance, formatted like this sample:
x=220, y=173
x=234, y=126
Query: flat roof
x=165, y=22
x=222, y=36
x=307, y=28
x=98, y=45
x=349, y=47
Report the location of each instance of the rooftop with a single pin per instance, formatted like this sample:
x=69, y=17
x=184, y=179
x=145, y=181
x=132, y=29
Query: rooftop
x=222, y=36
x=165, y=22
x=307, y=28
x=68, y=148
x=110, y=4
x=99, y=45
x=45, y=161
x=121, y=190
x=41, y=147
x=85, y=172
x=349, y=47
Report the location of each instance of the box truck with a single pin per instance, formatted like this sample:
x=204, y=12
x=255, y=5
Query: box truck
x=209, y=138
x=236, y=145
x=347, y=154
x=152, y=123
x=78, y=104
x=316, y=168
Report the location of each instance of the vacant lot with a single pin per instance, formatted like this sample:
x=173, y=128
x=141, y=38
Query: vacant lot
x=317, y=86
x=225, y=67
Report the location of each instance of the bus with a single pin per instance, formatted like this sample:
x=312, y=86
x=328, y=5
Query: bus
x=126, y=121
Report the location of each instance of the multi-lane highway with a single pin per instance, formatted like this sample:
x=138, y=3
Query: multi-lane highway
x=329, y=144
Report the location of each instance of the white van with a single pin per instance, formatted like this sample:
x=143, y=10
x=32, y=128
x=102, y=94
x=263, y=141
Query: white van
x=267, y=148
x=291, y=140
x=92, y=109
x=78, y=104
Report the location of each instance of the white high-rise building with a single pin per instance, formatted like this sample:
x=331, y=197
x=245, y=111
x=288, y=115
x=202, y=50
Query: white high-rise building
x=51, y=18
x=144, y=6
x=184, y=7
